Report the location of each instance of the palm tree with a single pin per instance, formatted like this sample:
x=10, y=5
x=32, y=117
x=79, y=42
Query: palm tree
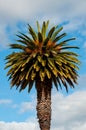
x=43, y=58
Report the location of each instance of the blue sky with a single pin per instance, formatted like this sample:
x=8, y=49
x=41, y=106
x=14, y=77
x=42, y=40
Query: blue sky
x=17, y=110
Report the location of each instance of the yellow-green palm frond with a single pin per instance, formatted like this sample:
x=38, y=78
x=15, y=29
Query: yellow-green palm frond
x=43, y=54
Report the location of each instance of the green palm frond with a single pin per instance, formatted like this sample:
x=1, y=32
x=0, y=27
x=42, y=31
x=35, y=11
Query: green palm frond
x=64, y=43
x=70, y=47
x=30, y=86
x=45, y=42
x=40, y=37
x=32, y=32
x=64, y=83
x=23, y=85
x=28, y=73
x=24, y=39
x=44, y=29
x=17, y=46
x=38, y=26
x=55, y=82
x=50, y=33
x=56, y=33
x=59, y=37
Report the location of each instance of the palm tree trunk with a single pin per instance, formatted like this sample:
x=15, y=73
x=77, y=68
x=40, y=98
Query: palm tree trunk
x=44, y=103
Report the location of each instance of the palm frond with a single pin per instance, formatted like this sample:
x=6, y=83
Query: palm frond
x=64, y=83
x=55, y=82
x=38, y=26
x=64, y=43
x=70, y=47
x=23, y=85
x=59, y=82
x=70, y=82
x=32, y=32
x=50, y=33
x=24, y=39
x=30, y=86
x=48, y=73
x=44, y=29
x=45, y=42
x=56, y=33
x=17, y=46
x=28, y=73
x=40, y=37
x=59, y=37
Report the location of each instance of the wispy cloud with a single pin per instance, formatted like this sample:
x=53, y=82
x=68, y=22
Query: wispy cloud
x=84, y=45
x=5, y=101
x=26, y=106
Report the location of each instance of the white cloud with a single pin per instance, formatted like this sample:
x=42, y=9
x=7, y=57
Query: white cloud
x=12, y=11
x=68, y=113
x=17, y=9
x=17, y=126
x=26, y=106
x=3, y=36
x=5, y=101
x=28, y=9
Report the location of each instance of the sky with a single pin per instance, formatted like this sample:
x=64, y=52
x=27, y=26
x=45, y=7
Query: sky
x=18, y=110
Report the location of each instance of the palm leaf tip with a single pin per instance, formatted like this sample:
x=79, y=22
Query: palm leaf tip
x=32, y=32
x=38, y=26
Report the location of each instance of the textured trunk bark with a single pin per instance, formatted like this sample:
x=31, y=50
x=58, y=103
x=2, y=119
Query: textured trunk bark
x=44, y=103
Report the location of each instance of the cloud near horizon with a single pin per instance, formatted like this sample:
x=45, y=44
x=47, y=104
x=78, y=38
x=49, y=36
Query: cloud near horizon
x=17, y=126
x=68, y=112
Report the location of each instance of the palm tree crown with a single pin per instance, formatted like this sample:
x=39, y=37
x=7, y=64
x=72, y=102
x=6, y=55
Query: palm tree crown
x=43, y=55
